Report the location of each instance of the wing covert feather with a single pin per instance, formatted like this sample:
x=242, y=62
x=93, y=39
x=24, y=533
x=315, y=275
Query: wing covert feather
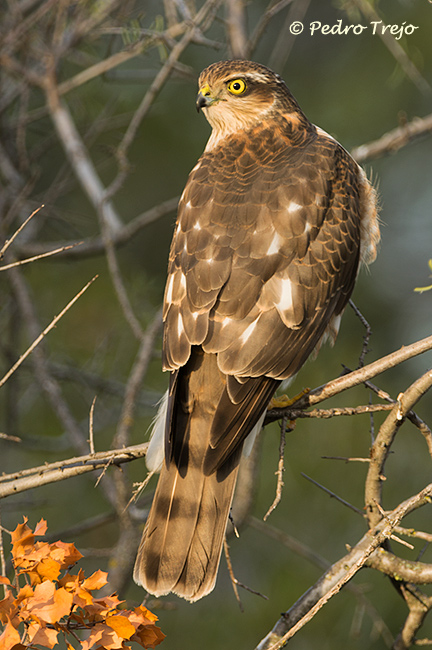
x=267, y=237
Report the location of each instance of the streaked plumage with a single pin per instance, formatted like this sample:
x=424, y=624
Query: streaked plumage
x=272, y=224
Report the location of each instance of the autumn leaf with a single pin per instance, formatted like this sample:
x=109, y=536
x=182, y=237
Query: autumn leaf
x=45, y=569
x=22, y=537
x=4, y=580
x=9, y=638
x=144, y=615
x=104, y=637
x=121, y=625
x=50, y=604
x=66, y=554
x=7, y=606
x=42, y=635
x=97, y=580
x=148, y=636
x=41, y=528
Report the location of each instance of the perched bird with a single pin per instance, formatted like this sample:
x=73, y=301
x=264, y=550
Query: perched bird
x=272, y=225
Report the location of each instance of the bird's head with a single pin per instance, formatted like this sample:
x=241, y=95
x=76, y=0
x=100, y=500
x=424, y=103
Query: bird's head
x=237, y=95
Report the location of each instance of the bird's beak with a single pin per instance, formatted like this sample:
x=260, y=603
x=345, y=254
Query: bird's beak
x=204, y=98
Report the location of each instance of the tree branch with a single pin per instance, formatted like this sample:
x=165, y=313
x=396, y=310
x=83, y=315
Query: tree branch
x=61, y=470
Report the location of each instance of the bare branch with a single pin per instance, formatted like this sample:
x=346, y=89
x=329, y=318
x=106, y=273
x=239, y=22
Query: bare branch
x=384, y=440
x=138, y=372
x=123, y=236
x=236, y=28
x=10, y=241
x=280, y=470
x=339, y=574
x=395, y=48
x=78, y=156
x=394, y=140
x=45, y=332
x=356, y=377
x=59, y=471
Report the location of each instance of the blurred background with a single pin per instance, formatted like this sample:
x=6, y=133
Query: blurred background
x=98, y=124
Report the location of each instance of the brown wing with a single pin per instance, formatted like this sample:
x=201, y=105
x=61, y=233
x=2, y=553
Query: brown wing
x=265, y=254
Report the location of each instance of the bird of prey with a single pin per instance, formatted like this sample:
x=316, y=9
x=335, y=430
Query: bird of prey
x=272, y=225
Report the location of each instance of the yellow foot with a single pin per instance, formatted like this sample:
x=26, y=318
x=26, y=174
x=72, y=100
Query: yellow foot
x=283, y=401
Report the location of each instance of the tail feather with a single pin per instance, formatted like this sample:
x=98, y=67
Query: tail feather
x=183, y=537
x=182, y=541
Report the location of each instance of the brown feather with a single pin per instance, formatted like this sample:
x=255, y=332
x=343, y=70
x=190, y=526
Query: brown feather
x=271, y=227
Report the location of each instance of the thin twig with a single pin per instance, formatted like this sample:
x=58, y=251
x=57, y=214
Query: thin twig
x=280, y=470
x=347, y=459
x=394, y=47
x=8, y=242
x=367, y=334
x=91, y=435
x=231, y=574
x=139, y=488
x=6, y=267
x=41, y=336
x=333, y=495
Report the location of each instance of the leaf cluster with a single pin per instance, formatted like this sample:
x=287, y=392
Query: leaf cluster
x=45, y=600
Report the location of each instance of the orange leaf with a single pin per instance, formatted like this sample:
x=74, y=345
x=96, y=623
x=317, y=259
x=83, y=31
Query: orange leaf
x=50, y=604
x=148, y=636
x=22, y=537
x=41, y=528
x=97, y=580
x=46, y=569
x=4, y=580
x=103, y=637
x=44, y=636
x=121, y=625
x=7, y=607
x=66, y=554
x=9, y=638
x=144, y=615
x=100, y=607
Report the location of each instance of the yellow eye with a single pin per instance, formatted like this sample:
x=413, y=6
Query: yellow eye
x=237, y=86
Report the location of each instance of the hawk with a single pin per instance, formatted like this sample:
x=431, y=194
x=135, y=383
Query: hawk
x=272, y=225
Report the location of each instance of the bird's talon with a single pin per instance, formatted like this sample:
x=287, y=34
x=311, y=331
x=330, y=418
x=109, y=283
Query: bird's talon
x=283, y=401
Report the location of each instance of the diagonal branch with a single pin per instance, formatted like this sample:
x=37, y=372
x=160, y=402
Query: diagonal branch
x=354, y=378
x=78, y=156
x=59, y=471
x=332, y=581
x=42, y=335
x=393, y=140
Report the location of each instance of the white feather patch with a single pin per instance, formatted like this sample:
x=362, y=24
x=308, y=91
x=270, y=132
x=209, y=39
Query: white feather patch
x=169, y=293
x=293, y=207
x=286, y=298
x=248, y=331
x=274, y=245
x=250, y=440
x=155, y=451
x=180, y=326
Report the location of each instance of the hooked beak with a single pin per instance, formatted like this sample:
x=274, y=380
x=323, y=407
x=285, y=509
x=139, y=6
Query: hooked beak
x=204, y=98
